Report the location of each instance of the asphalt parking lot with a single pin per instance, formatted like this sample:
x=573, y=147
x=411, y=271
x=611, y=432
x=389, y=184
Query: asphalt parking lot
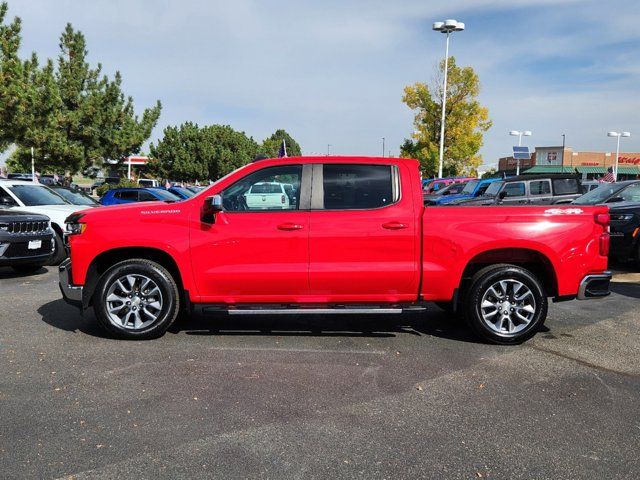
x=410, y=396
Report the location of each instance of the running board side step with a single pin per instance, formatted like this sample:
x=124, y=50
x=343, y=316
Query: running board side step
x=310, y=311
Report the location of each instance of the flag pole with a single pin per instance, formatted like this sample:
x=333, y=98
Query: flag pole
x=33, y=167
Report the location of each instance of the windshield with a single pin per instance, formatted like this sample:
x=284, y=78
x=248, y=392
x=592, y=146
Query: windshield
x=34, y=195
x=470, y=187
x=184, y=191
x=493, y=189
x=599, y=195
x=74, y=196
x=166, y=196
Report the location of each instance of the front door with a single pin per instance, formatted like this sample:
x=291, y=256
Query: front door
x=256, y=251
x=363, y=244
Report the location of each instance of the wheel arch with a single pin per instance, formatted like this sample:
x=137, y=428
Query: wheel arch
x=105, y=260
x=533, y=260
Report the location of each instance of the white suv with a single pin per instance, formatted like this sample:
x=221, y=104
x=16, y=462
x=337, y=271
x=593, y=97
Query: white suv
x=36, y=198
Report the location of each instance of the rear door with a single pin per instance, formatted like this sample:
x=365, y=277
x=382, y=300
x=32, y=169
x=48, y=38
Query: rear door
x=362, y=243
x=540, y=192
x=565, y=190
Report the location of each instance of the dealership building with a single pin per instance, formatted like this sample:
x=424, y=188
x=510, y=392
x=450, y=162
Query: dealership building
x=590, y=165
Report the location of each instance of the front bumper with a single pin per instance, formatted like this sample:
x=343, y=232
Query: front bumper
x=594, y=286
x=72, y=294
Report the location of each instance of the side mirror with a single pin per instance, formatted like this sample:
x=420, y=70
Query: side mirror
x=502, y=195
x=212, y=205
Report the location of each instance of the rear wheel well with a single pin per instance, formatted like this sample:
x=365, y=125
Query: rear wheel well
x=107, y=259
x=532, y=260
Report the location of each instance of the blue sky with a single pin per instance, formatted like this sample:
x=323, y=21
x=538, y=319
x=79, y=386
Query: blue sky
x=333, y=72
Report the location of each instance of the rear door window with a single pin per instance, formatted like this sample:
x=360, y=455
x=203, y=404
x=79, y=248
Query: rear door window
x=128, y=195
x=565, y=186
x=516, y=189
x=540, y=187
x=357, y=187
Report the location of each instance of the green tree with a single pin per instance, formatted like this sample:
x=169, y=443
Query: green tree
x=271, y=146
x=67, y=111
x=465, y=124
x=15, y=77
x=190, y=152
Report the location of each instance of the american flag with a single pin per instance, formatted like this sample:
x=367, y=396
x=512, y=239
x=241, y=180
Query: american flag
x=609, y=176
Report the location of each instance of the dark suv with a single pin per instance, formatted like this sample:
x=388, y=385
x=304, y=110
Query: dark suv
x=26, y=240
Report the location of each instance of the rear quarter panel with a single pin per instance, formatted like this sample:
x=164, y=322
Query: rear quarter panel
x=567, y=236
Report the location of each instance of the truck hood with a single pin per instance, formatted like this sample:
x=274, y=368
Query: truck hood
x=132, y=211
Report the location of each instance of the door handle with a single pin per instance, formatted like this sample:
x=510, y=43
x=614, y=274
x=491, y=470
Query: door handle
x=290, y=226
x=394, y=225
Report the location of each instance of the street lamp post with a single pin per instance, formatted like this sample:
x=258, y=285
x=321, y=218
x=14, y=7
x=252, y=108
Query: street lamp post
x=519, y=134
x=447, y=27
x=617, y=135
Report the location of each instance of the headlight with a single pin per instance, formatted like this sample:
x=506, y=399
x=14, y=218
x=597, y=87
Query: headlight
x=76, y=228
x=621, y=217
x=73, y=224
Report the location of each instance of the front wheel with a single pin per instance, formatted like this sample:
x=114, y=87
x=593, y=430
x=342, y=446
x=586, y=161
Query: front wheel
x=136, y=299
x=506, y=304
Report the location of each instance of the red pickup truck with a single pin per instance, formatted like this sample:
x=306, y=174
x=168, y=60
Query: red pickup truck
x=352, y=236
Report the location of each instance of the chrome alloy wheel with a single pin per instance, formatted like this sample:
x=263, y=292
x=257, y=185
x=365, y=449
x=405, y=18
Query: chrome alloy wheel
x=508, y=307
x=133, y=302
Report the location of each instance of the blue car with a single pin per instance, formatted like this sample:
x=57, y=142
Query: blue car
x=472, y=189
x=181, y=192
x=118, y=196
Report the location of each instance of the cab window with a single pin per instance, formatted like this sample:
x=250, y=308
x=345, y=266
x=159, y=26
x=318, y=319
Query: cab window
x=264, y=190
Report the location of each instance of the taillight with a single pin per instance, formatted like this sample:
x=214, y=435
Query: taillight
x=603, y=219
x=282, y=199
x=604, y=244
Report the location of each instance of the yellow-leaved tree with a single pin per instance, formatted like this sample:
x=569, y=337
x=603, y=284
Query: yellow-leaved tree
x=465, y=123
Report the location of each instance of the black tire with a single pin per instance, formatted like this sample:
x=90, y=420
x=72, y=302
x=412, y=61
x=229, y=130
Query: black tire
x=500, y=333
x=170, y=299
x=59, y=251
x=27, y=268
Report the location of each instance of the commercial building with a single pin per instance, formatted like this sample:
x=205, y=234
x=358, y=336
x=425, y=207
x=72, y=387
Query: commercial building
x=591, y=165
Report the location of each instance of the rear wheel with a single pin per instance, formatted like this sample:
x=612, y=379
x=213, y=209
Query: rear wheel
x=136, y=299
x=505, y=304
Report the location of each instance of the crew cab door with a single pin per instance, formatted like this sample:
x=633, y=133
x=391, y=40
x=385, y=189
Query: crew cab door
x=255, y=253
x=363, y=242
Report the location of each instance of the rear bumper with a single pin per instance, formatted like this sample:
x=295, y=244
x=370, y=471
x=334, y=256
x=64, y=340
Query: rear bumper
x=594, y=286
x=72, y=294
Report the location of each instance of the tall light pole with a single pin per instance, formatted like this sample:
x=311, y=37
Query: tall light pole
x=617, y=135
x=383, y=146
x=328, y=149
x=519, y=134
x=447, y=27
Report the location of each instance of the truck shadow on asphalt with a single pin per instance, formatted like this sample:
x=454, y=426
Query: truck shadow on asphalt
x=628, y=289
x=7, y=273
x=432, y=323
